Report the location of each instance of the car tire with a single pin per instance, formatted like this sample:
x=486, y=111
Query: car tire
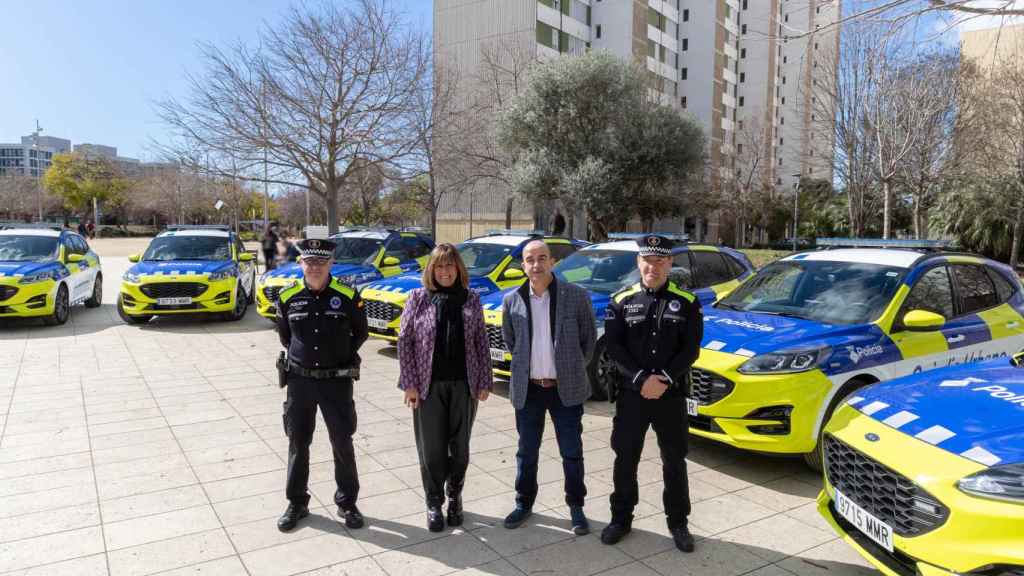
x=252, y=293
x=241, y=305
x=128, y=318
x=61, y=307
x=815, y=459
x=601, y=371
x=97, y=293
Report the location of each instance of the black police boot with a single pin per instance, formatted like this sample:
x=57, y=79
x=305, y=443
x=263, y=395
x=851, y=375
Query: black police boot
x=615, y=531
x=683, y=538
x=352, y=516
x=455, y=510
x=435, y=518
x=291, y=516
x=516, y=518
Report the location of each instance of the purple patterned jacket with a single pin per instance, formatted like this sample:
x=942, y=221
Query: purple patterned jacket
x=416, y=343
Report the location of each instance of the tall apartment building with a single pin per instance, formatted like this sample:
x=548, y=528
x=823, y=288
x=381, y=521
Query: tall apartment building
x=31, y=157
x=733, y=64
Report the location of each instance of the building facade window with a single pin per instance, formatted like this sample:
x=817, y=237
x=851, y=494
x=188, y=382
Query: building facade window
x=682, y=101
x=683, y=73
x=597, y=31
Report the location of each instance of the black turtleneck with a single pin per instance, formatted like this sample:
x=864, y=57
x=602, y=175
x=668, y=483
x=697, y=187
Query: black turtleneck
x=449, y=361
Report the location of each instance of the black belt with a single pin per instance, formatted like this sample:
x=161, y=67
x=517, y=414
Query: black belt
x=323, y=373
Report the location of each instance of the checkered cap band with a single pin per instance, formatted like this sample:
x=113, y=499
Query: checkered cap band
x=654, y=251
x=316, y=248
x=654, y=245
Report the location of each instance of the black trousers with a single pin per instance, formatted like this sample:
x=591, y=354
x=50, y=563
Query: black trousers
x=633, y=415
x=334, y=397
x=270, y=258
x=443, y=424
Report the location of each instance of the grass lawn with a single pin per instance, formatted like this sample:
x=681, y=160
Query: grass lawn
x=761, y=257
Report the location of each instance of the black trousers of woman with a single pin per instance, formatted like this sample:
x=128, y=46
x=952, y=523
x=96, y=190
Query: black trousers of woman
x=270, y=258
x=443, y=424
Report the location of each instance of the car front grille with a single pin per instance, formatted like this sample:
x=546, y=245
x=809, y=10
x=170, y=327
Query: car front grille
x=272, y=292
x=7, y=292
x=494, y=337
x=173, y=289
x=881, y=491
x=706, y=387
x=379, y=310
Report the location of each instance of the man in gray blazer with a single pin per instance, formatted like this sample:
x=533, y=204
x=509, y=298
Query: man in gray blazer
x=549, y=327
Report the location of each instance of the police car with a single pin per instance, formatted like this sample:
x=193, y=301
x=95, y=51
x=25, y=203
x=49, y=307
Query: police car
x=362, y=256
x=925, y=474
x=189, y=270
x=494, y=263
x=603, y=269
x=784, y=348
x=44, y=271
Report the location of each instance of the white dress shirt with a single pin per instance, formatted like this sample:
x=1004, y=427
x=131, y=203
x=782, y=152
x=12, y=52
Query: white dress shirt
x=542, y=346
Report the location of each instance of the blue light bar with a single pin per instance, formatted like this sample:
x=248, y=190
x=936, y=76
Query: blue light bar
x=508, y=232
x=677, y=236
x=881, y=243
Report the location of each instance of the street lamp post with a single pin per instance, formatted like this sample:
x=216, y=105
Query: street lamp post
x=796, y=210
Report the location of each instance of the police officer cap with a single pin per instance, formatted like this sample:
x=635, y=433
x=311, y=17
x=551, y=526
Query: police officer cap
x=655, y=245
x=316, y=248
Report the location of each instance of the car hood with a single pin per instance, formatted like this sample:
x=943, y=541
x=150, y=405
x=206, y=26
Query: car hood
x=973, y=410
x=180, y=267
x=25, y=268
x=293, y=270
x=405, y=283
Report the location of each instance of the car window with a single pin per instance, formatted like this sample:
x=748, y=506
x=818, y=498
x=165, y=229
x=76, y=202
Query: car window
x=734, y=265
x=414, y=247
x=561, y=251
x=710, y=268
x=79, y=245
x=239, y=247
x=1004, y=289
x=682, y=270
x=975, y=290
x=932, y=292
x=72, y=245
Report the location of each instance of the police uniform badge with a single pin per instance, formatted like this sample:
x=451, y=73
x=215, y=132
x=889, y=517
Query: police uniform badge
x=335, y=302
x=674, y=305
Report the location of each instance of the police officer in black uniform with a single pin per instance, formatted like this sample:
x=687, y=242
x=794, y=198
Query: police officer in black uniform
x=653, y=331
x=322, y=324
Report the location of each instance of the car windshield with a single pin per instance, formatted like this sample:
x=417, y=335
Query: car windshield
x=27, y=248
x=165, y=248
x=604, y=271
x=355, y=250
x=822, y=291
x=480, y=259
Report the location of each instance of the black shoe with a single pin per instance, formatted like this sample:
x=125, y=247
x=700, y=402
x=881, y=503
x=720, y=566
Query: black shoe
x=291, y=517
x=435, y=519
x=455, y=511
x=683, y=538
x=580, y=525
x=352, y=516
x=614, y=532
x=516, y=518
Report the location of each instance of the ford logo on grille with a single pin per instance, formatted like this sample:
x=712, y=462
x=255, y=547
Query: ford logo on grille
x=871, y=437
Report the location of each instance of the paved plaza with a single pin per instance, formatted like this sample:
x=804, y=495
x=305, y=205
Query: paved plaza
x=130, y=450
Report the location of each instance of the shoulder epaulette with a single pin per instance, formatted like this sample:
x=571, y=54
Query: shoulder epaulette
x=680, y=292
x=344, y=289
x=625, y=293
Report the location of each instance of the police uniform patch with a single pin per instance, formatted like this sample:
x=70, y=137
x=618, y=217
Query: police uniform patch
x=674, y=305
x=335, y=302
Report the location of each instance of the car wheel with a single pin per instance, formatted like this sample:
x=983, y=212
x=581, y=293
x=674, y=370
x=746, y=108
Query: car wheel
x=252, y=293
x=97, y=293
x=241, y=305
x=128, y=318
x=815, y=459
x=61, y=308
x=601, y=371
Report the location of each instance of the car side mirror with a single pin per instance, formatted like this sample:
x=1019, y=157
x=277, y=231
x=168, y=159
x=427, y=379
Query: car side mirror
x=134, y=258
x=923, y=320
x=513, y=274
x=73, y=258
x=246, y=257
x=391, y=261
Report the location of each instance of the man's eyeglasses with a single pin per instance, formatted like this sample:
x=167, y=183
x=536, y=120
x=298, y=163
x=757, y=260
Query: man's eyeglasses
x=315, y=262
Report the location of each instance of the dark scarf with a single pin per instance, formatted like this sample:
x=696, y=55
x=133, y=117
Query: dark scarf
x=449, y=343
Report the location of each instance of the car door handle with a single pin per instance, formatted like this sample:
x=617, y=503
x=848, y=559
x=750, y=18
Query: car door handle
x=955, y=339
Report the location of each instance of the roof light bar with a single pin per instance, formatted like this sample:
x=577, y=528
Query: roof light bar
x=882, y=243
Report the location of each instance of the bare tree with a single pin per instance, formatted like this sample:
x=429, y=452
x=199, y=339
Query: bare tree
x=749, y=183
x=329, y=85
x=952, y=12
x=18, y=195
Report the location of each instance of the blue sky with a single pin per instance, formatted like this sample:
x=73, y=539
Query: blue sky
x=89, y=70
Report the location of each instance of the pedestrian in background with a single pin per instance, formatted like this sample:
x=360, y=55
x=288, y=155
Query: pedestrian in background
x=549, y=327
x=269, y=245
x=445, y=370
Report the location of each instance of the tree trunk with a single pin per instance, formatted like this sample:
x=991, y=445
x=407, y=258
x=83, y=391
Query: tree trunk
x=1018, y=228
x=917, y=218
x=331, y=195
x=886, y=210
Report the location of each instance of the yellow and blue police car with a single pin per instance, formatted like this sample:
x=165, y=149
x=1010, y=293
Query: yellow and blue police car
x=494, y=263
x=924, y=475
x=786, y=346
x=707, y=270
x=189, y=270
x=44, y=271
x=361, y=255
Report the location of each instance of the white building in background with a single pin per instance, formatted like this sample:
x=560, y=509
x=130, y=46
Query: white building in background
x=31, y=157
x=733, y=64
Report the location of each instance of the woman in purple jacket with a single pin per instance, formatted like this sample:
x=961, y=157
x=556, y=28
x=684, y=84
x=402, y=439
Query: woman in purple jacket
x=445, y=369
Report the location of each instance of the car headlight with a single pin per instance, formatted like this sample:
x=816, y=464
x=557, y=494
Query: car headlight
x=1001, y=482
x=222, y=274
x=38, y=277
x=133, y=277
x=785, y=362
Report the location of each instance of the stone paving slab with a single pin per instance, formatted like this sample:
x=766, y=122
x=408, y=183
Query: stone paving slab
x=130, y=450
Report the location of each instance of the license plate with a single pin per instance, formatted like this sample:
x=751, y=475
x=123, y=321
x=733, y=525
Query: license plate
x=691, y=407
x=878, y=531
x=497, y=355
x=377, y=323
x=174, y=301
